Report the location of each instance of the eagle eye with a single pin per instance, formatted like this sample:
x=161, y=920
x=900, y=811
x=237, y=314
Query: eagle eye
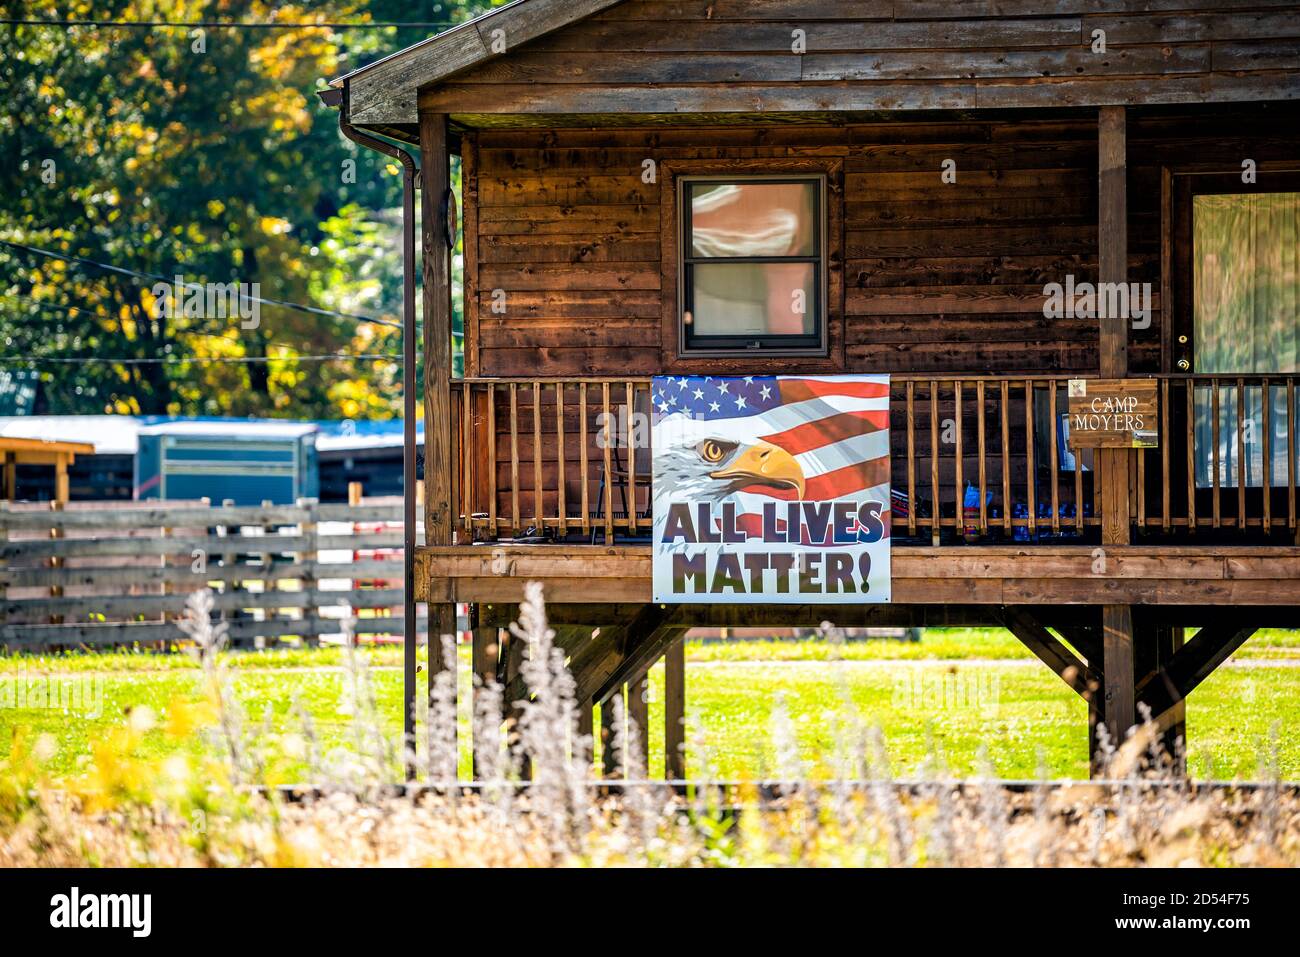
x=714, y=451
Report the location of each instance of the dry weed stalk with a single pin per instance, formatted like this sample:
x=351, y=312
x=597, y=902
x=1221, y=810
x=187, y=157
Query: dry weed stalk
x=1138, y=816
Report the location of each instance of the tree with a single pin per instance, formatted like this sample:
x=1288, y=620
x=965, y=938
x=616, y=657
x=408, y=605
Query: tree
x=204, y=154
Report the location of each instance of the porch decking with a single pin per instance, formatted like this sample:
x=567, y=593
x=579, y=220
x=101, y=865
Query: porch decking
x=1265, y=578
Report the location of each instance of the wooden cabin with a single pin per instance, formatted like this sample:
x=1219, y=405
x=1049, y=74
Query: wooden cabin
x=956, y=170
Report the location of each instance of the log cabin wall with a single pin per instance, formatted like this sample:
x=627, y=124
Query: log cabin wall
x=932, y=277
x=924, y=276
x=570, y=262
x=568, y=241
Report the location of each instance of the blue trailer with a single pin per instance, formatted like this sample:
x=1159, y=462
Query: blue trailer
x=246, y=462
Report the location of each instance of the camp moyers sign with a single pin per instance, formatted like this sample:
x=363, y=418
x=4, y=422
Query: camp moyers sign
x=1113, y=414
x=771, y=489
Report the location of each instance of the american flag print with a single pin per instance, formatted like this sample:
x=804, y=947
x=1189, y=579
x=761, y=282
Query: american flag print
x=785, y=478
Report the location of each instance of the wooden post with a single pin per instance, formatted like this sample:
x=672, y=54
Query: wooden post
x=485, y=654
x=307, y=583
x=60, y=499
x=586, y=716
x=675, y=710
x=442, y=623
x=1112, y=259
x=56, y=591
x=165, y=562
x=1112, y=233
x=435, y=169
x=229, y=580
x=61, y=479
x=1118, y=671
x=1112, y=256
x=1168, y=639
x=608, y=763
x=638, y=713
x=436, y=174
x=4, y=536
x=10, y=478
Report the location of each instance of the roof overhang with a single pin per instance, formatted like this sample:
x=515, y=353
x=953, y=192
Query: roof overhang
x=384, y=94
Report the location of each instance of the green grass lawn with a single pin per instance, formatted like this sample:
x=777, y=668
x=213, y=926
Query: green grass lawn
x=942, y=698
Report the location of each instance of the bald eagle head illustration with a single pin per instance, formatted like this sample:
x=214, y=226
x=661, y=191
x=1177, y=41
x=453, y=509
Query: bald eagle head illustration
x=711, y=469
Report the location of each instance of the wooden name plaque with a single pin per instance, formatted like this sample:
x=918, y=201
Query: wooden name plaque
x=1113, y=414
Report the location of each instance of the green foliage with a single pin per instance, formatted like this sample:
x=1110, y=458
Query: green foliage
x=209, y=157
x=1016, y=707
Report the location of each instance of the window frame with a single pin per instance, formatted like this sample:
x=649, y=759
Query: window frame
x=769, y=346
x=1184, y=184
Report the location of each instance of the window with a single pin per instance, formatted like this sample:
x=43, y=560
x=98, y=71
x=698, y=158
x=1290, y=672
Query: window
x=1246, y=276
x=752, y=267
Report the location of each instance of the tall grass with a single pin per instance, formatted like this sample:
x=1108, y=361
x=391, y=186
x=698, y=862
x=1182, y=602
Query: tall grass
x=538, y=802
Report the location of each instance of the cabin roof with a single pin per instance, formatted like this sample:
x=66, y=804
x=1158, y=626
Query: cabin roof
x=604, y=62
x=465, y=45
x=471, y=40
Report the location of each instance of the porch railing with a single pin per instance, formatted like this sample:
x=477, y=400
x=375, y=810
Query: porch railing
x=550, y=458
x=974, y=459
x=1230, y=462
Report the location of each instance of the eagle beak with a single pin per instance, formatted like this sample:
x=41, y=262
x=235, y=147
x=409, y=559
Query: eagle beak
x=764, y=464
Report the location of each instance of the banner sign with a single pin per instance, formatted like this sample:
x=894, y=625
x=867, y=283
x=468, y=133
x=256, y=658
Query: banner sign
x=771, y=489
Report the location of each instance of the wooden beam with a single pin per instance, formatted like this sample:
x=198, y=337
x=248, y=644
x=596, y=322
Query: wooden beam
x=61, y=478
x=593, y=661
x=578, y=646
x=675, y=711
x=1191, y=665
x=640, y=657
x=436, y=180
x=1112, y=257
x=586, y=719
x=1173, y=733
x=638, y=713
x=485, y=654
x=645, y=640
x=1085, y=637
x=519, y=104
x=608, y=729
x=442, y=623
x=1117, y=671
x=952, y=581
x=1083, y=680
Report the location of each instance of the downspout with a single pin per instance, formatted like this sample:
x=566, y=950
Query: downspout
x=409, y=633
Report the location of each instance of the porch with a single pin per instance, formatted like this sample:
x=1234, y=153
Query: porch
x=975, y=461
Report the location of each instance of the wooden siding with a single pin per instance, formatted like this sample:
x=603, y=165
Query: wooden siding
x=926, y=276
x=710, y=56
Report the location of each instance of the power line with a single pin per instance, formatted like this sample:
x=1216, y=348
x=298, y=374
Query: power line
x=180, y=360
x=68, y=310
x=296, y=306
